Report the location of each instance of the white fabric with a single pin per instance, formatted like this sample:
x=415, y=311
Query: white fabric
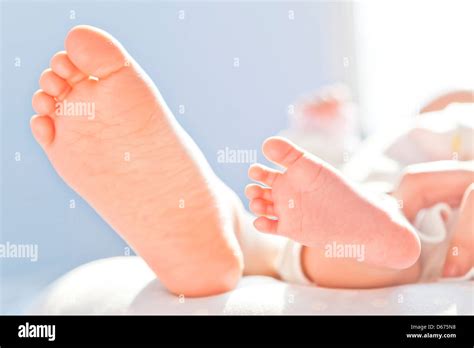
x=125, y=285
x=289, y=264
x=443, y=135
x=437, y=136
x=435, y=227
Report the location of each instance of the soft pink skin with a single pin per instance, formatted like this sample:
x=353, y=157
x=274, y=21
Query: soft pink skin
x=316, y=206
x=460, y=258
x=157, y=198
x=457, y=190
x=424, y=185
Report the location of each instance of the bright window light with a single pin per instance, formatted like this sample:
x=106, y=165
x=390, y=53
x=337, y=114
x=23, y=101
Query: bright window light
x=409, y=52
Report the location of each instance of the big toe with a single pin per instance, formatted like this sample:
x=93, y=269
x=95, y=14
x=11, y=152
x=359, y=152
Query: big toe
x=94, y=51
x=281, y=151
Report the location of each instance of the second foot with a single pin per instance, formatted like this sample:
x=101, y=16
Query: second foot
x=310, y=202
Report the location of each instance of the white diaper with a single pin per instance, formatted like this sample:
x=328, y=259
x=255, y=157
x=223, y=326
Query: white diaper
x=289, y=264
x=435, y=232
x=435, y=235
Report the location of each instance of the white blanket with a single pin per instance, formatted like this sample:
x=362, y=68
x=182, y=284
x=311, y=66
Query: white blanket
x=125, y=285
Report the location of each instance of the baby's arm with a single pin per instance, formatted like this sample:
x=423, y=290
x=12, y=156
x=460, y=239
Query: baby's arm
x=444, y=100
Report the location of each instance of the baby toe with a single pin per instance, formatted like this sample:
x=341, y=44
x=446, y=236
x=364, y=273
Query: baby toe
x=253, y=191
x=263, y=174
x=43, y=130
x=63, y=67
x=264, y=224
x=53, y=84
x=43, y=103
x=262, y=207
x=281, y=151
x=95, y=52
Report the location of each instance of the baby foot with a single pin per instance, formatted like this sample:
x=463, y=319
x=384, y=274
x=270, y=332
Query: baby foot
x=108, y=133
x=460, y=258
x=313, y=204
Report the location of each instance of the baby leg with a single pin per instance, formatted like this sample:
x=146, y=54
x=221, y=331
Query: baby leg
x=312, y=203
